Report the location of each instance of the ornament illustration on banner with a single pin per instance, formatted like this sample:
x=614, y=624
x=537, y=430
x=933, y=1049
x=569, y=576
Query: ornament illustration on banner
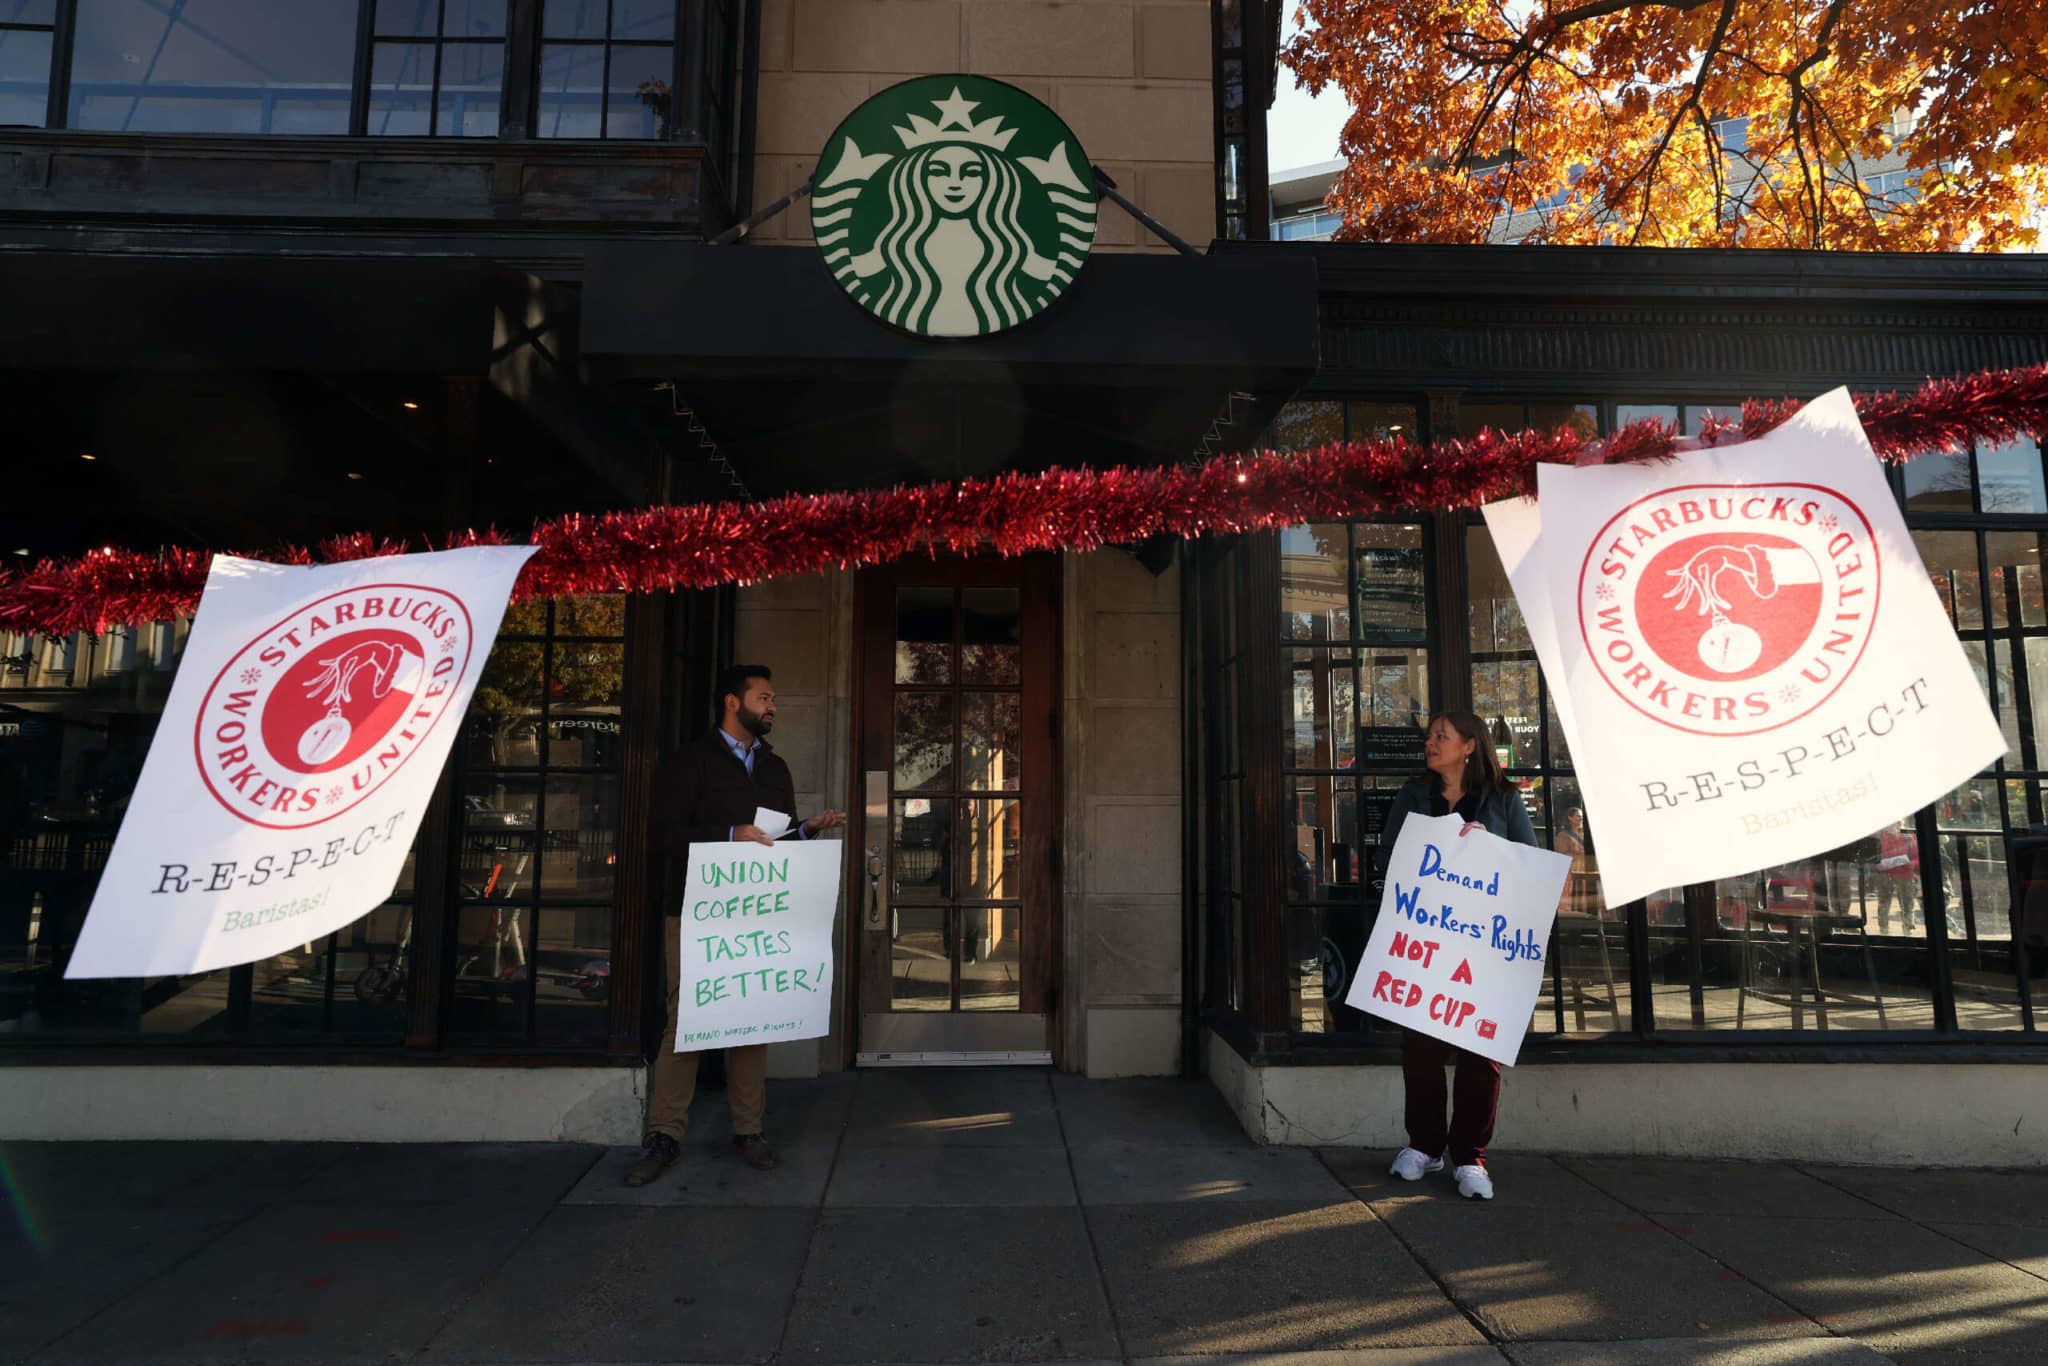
x=1749, y=668
x=306, y=727
x=934, y=213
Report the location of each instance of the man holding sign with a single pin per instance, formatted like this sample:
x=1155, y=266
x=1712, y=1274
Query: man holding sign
x=723, y=787
x=1456, y=955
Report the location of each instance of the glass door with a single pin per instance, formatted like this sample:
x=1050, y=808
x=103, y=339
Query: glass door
x=958, y=665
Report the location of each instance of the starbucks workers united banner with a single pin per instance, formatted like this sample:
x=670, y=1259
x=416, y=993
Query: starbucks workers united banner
x=311, y=714
x=1749, y=661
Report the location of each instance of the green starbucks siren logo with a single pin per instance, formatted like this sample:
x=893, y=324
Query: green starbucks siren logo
x=954, y=206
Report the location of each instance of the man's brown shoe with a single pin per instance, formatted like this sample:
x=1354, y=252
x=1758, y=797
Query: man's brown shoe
x=759, y=1153
x=657, y=1155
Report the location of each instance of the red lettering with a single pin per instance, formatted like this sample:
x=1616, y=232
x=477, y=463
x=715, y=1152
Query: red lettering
x=1689, y=512
x=238, y=755
x=285, y=799
x=239, y=780
x=1661, y=694
x=1379, y=987
x=1636, y=674
x=1724, y=709
x=238, y=702
x=1464, y=972
x=1664, y=520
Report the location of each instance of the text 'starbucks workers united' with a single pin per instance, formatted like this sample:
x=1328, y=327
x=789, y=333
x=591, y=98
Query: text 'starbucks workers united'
x=954, y=206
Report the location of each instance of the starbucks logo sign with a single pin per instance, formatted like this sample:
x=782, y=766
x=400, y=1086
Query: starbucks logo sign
x=954, y=206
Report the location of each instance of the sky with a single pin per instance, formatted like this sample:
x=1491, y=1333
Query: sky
x=1301, y=131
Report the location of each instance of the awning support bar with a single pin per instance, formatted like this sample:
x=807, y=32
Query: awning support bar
x=1152, y=225
x=755, y=220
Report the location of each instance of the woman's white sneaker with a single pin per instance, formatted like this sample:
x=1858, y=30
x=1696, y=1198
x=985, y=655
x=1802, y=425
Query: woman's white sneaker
x=1473, y=1182
x=1411, y=1165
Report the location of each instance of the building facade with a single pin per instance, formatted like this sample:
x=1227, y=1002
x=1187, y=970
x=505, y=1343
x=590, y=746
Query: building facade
x=407, y=268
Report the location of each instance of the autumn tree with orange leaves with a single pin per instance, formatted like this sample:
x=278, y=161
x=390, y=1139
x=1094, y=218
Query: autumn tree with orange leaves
x=1754, y=123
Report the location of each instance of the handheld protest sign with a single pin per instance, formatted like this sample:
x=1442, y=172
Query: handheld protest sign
x=1458, y=950
x=756, y=950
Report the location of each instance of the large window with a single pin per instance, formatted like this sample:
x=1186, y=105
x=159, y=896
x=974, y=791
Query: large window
x=1932, y=925
x=436, y=68
x=539, y=785
x=213, y=66
x=609, y=69
x=28, y=37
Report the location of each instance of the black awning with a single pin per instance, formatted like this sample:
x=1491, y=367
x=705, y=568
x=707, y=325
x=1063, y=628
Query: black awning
x=804, y=390
x=104, y=311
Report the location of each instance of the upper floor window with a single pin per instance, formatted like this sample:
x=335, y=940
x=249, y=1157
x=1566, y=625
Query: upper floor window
x=607, y=69
x=213, y=66
x=27, y=40
x=436, y=68
x=1318, y=225
x=396, y=68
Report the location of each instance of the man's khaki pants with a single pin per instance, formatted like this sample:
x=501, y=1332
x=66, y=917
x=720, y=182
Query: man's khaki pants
x=675, y=1074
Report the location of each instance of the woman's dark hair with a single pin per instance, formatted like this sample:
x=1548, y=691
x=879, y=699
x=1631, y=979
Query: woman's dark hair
x=1482, y=770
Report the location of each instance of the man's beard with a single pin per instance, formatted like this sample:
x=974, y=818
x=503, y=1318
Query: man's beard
x=755, y=724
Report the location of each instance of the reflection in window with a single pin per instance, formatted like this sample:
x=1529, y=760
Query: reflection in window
x=27, y=39
x=1586, y=989
x=436, y=68
x=1627, y=413
x=213, y=66
x=537, y=868
x=2009, y=477
x=1375, y=421
x=607, y=69
x=1474, y=418
x=1354, y=623
x=1307, y=425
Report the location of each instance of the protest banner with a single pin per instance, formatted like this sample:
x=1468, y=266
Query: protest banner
x=1458, y=950
x=757, y=943
x=311, y=714
x=1748, y=657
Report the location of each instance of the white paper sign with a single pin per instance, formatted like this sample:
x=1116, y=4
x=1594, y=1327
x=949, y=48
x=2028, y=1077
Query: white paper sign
x=757, y=943
x=308, y=723
x=1755, y=665
x=773, y=824
x=1457, y=951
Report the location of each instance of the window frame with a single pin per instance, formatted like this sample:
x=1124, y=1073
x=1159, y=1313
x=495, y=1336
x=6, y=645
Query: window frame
x=705, y=87
x=2018, y=792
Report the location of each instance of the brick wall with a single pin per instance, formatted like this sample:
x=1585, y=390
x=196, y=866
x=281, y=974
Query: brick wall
x=1131, y=77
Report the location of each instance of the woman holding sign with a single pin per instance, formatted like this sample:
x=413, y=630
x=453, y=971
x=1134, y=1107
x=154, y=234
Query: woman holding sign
x=1464, y=778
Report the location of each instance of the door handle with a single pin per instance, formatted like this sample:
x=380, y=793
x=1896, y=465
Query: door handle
x=875, y=823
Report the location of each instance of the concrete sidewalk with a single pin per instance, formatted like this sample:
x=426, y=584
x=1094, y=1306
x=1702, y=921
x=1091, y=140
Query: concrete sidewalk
x=1000, y=1217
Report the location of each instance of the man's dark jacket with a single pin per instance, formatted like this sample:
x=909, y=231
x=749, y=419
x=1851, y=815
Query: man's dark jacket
x=702, y=791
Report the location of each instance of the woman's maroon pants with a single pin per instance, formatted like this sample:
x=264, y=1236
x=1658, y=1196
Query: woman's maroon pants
x=1474, y=1099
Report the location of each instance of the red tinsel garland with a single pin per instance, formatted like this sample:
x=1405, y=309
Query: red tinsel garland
x=702, y=545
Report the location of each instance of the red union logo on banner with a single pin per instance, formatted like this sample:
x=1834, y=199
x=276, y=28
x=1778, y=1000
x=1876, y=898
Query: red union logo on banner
x=316, y=713
x=1730, y=609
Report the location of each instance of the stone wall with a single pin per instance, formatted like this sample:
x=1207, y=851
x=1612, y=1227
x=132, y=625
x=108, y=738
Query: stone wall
x=1121, y=843
x=1132, y=78
x=802, y=629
